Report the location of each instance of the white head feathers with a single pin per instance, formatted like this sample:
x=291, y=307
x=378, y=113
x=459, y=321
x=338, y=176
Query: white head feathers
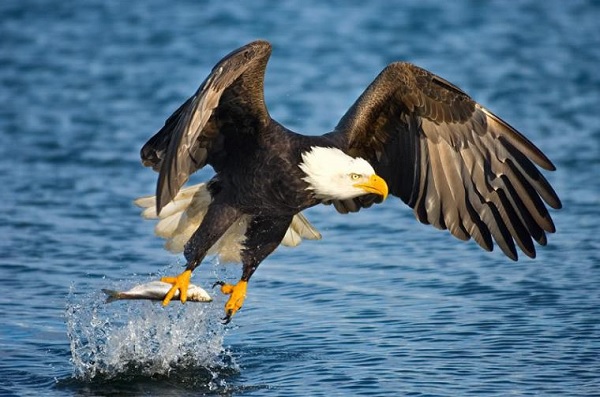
x=333, y=175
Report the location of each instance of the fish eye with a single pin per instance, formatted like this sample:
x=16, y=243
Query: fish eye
x=354, y=176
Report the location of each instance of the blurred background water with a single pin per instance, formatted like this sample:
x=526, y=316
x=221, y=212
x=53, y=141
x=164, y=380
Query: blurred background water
x=382, y=305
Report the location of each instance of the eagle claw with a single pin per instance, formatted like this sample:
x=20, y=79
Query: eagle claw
x=237, y=294
x=181, y=283
x=221, y=283
x=225, y=320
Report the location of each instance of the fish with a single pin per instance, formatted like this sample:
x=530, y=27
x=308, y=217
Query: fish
x=156, y=290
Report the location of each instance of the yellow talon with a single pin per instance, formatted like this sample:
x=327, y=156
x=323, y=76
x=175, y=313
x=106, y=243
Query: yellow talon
x=180, y=283
x=236, y=299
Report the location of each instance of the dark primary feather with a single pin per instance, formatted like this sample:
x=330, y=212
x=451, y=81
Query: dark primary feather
x=459, y=166
x=232, y=93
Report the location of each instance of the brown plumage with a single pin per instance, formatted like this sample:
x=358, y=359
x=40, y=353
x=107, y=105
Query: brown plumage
x=459, y=166
x=456, y=164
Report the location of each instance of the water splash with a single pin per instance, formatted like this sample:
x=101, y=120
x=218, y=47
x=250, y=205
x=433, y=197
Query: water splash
x=126, y=340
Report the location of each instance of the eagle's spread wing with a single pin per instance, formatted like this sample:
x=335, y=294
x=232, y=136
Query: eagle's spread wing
x=192, y=136
x=459, y=166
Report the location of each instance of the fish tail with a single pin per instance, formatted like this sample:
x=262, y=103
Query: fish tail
x=111, y=295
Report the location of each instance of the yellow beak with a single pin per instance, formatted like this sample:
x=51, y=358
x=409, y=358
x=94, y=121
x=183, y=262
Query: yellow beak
x=376, y=185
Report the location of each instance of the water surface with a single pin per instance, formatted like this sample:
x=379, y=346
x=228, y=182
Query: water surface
x=382, y=305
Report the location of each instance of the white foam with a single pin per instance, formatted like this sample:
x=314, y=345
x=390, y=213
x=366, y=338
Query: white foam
x=143, y=338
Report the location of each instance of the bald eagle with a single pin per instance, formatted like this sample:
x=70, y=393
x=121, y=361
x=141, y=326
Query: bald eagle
x=411, y=133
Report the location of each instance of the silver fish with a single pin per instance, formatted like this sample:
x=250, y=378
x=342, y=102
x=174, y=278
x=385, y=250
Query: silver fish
x=156, y=290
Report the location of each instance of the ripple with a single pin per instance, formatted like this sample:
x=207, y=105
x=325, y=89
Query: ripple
x=382, y=305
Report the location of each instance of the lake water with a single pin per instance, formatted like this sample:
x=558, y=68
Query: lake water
x=382, y=305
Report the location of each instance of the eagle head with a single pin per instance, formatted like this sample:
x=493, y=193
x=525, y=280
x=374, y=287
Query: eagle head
x=333, y=175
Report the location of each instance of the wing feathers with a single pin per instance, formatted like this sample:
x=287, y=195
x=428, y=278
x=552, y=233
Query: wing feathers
x=533, y=176
x=529, y=150
x=443, y=177
x=530, y=203
x=189, y=136
x=459, y=166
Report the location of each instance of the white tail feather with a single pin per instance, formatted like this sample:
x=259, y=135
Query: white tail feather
x=300, y=228
x=180, y=218
x=291, y=238
x=303, y=227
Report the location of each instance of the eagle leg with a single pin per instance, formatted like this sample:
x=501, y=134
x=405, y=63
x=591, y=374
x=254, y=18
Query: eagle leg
x=237, y=294
x=180, y=283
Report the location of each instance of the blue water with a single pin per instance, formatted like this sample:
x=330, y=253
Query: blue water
x=382, y=305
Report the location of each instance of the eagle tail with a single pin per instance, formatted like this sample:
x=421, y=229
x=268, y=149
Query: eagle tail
x=179, y=219
x=300, y=228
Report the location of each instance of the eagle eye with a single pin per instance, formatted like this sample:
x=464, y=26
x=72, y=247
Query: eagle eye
x=354, y=176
